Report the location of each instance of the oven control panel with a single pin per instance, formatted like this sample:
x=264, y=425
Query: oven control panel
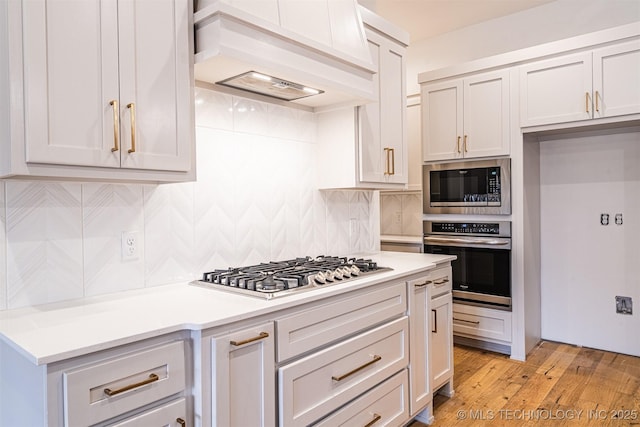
x=465, y=228
x=493, y=229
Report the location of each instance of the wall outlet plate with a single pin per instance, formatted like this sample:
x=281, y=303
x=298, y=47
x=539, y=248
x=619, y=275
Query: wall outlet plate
x=604, y=219
x=130, y=242
x=624, y=305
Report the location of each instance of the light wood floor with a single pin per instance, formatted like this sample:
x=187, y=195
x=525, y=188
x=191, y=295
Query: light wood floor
x=558, y=385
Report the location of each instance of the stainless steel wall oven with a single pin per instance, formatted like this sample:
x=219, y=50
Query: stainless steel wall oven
x=482, y=271
x=473, y=187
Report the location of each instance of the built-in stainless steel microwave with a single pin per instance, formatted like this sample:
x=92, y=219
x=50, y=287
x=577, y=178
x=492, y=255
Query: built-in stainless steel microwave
x=476, y=187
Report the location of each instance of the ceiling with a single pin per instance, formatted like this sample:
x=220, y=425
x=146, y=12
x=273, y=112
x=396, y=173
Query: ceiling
x=425, y=19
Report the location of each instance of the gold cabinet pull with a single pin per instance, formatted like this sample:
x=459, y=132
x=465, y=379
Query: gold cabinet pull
x=586, y=102
x=386, y=167
x=152, y=378
x=375, y=419
x=441, y=282
x=393, y=161
x=375, y=359
x=182, y=422
x=260, y=336
x=597, y=107
x=435, y=321
x=476, y=322
x=131, y=106
x=458, y=146
x=464, y=144
x=422, y=285
x=116, y=126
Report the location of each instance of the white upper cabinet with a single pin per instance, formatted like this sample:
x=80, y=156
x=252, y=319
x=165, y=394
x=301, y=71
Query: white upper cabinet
x=466, y=118
x=106, y=85
x=595, y=84
x=367, y=145
x=383, y=139
x=616, y=80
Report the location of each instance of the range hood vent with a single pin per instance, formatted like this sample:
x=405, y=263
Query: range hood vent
x=270, y=86
x=233, y=46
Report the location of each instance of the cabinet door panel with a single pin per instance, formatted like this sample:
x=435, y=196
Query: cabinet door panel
x=441, y=340
x=371, y=159
x=154, y=76
x=615, y=80
x=244, y=378
x=419, y=328
x=486, y=115
x=442, y=121
x=556, y=91
x=70, y=75
x=393, y=110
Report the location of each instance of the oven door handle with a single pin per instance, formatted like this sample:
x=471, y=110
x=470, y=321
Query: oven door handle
x=467, y=240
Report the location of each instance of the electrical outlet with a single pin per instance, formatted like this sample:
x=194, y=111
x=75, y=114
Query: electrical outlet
x=397, y=218
x=618, y=219
x=130, y=243
x=604, y=219
x=624, y=305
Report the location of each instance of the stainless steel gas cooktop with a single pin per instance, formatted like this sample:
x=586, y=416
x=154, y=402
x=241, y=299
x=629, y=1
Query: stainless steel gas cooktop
x=279, y=278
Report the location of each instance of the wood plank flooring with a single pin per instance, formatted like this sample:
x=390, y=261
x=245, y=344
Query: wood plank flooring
x=558, y=385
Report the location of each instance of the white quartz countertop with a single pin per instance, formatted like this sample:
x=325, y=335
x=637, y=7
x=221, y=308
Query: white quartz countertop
x=53, y=332
x=397, y=238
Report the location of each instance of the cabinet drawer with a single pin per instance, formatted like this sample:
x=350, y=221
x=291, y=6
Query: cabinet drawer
x=481, y=322
x=169, y=415
x=331, y=322
x=132, y=381
x=387, y=404
x=440, y=281
x=317, y=385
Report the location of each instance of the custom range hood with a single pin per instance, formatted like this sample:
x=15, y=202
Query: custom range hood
x=311, y=52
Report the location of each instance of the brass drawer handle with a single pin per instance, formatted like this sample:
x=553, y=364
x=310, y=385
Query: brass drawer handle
x=261, y=336
x=422, y=285
x=375, y=419
x=586, y=102
x=182, y=422
x=375, y=359
x=441, y=282
x=132, y=108
x=458, y=146
x=152, y=378
x=476, y=322
x=387, y=170
x=116, y=126
x=393, y=161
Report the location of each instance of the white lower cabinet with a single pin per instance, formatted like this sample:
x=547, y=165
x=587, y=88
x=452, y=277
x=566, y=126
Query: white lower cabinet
x=385, y=405
x=431, y=337
x=243, y=377
x=316, y=385
x=482, y=323
x=441, y=355
x=326, y=323
x=420, y=379
x=102, y=390
x=171, y=414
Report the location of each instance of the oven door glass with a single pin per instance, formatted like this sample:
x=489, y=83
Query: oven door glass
x=483, y=271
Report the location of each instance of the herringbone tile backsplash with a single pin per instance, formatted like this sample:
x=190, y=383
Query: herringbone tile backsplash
x=255, y=200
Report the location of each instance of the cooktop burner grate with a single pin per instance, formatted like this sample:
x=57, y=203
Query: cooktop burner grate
x=278, y=278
